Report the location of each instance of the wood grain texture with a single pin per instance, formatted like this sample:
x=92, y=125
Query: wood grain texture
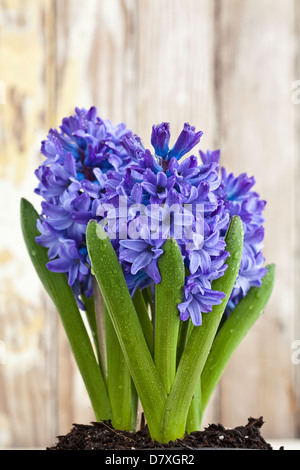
x=176, y=66
x=225, y=66
x=95, y=66
x=96, y=58
x=296, y=212
x=176, y=76
x=256, y=134
x=28, y=396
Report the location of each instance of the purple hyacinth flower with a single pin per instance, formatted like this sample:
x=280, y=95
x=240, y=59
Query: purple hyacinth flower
x=49, y=238
x=70, y=260
x=239, y=199
x=90, y=163
x=72, y=184
x=142, y=256
x=133, y=145
x=198, y=299
x=187, y=139
x=237, y=187
x=185, y=170
x=55, y=178
x=140, y=280
x=210, y=156
x=157, y=185
x=160, y=139
x=168, y=187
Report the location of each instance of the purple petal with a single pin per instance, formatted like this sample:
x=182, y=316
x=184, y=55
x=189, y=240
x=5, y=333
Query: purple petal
x=135, y=245
x=141, y=262
x=59, y=265
x=153, y=271
x=160, y=138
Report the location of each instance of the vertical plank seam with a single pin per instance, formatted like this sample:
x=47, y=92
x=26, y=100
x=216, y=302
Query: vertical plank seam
x=51, y=90
x=51, y=66
x=217, y=65
x=136, y=61
x=296, y=114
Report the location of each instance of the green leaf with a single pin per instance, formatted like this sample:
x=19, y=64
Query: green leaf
x=168, y=294
x=89, y=304
x=194, y=418
x=57, y=287
x=148, y=298
x=197, y=349
x=124, y=318
x=234, y=329
x=185, y=329
x=121, y=389
x=145, y=321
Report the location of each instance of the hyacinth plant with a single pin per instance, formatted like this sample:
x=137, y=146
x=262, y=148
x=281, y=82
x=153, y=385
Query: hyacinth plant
x=153, y=259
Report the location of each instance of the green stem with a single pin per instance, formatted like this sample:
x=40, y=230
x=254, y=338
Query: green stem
x=99, y=309
x=56, y=285
x=168, y=294
x=148, y=298
x=91, y=318
x=200, y=341
x=185, y=329
x=194, y=418
x=143, y=315
x=234, y=329
x=120, y=386
x=117, y=298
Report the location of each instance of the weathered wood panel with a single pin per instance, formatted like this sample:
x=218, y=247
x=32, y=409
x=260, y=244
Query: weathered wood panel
x=176, y=66
x=255, y=64
x=27, y=328
x=96, y=58
x=225, y=66
x=176, y=74
x=296, y=198
x=95, y=66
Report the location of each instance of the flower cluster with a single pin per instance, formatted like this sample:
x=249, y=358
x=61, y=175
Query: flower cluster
x=181, y=194
x=240, y=199
x=72, y=184
x=94, y=170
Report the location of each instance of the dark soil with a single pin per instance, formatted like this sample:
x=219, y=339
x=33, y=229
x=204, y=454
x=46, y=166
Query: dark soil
x=102, y=436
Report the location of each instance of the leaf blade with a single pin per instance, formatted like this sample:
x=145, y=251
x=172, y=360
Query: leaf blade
x=57, y=287
x=197, y=349
x=124, y=318
x=235, y=328
x=168, y=294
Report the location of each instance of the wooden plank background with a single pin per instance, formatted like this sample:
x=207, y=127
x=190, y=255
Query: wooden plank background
x=225, y=66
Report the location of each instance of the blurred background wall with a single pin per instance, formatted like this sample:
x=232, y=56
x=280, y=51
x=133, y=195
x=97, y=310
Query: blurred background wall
x=230, y=68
